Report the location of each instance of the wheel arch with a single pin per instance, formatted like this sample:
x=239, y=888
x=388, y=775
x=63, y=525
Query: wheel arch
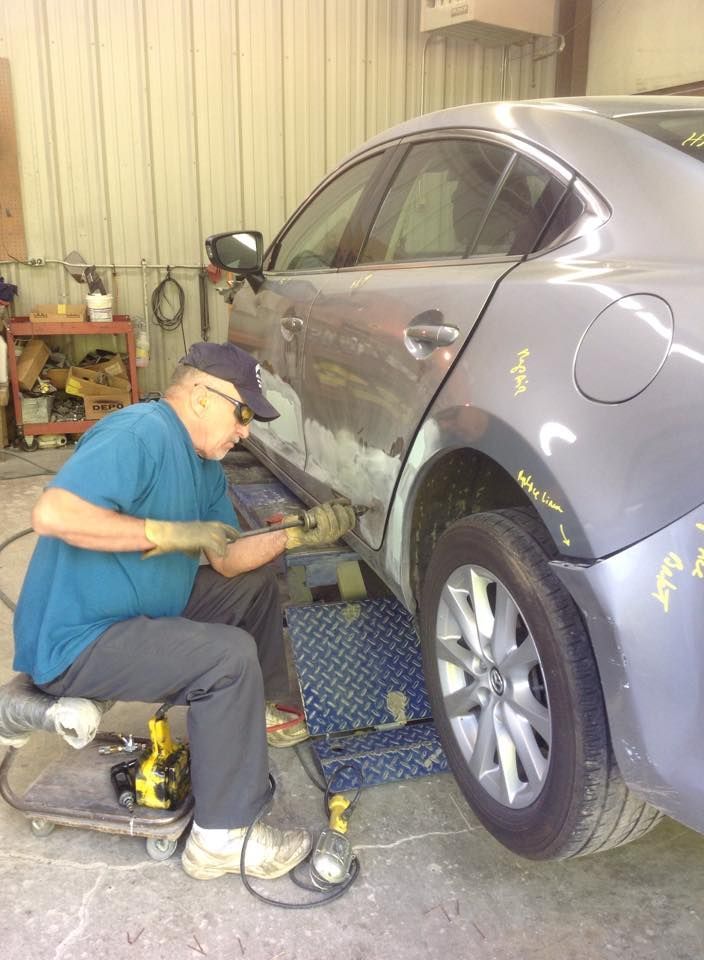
x=453, y=485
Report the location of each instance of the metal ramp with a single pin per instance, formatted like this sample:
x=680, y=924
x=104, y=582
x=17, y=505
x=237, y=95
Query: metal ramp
x=358, y=663
x=359, y=667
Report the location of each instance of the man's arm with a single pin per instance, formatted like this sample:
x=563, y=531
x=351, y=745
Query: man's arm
x=250, y=553
x=61, y=514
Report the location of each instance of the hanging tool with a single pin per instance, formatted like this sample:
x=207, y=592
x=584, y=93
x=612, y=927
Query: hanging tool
x=303, y=518
x=163, y=778
x=83, y=272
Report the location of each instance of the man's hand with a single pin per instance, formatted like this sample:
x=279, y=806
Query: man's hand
x=332, y=521
x=169, y=537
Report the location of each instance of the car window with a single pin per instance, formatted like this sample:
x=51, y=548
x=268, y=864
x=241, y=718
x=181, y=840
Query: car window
x=436, y=202
x=312, y=241
x=681, y=129
x=527, y=198
x=570, y=210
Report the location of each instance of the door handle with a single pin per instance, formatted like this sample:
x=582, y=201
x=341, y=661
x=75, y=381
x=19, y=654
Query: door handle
x=434, y=335
x=427, y=332
x=292, y=324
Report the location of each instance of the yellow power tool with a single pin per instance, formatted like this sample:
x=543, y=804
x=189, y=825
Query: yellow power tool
x=163, y=779
x=332, y=858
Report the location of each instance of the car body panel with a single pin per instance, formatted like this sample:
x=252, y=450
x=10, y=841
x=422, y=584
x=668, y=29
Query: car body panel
x=644, y=609
x=266, y=322
x=367, y=383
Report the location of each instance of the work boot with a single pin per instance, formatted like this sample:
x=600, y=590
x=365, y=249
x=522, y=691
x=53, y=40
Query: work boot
x=270, y=853
x=284, y=726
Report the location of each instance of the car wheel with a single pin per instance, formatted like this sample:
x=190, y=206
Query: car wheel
x=516, y=696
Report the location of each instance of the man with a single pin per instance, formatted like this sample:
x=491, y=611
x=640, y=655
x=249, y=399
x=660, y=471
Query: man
x=115, y=606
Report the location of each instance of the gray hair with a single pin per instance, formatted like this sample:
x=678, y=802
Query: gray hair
x=183, y=375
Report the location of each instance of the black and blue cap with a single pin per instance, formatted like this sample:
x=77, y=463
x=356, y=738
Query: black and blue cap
x=228, y=362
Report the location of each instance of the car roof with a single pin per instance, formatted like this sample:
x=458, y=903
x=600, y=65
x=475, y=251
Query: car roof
x=580, y=131
x=510, y=115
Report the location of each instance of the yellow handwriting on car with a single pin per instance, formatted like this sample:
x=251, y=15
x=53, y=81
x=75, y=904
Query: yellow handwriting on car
x=663, y=584
x=519, y=371
x=542, y=496
x=694, y=140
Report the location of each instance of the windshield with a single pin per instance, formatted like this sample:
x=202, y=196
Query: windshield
x=682, y=129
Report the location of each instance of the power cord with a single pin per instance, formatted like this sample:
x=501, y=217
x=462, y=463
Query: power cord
x=336, y=891
x=160, y=298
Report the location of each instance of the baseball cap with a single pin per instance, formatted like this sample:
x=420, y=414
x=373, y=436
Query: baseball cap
x=241, y=369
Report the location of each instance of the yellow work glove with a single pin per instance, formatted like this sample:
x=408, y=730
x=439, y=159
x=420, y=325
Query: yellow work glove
x=332, y=521
x=188, y=537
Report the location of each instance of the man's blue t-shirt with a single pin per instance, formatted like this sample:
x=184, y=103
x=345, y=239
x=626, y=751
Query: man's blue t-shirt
x=139, y=461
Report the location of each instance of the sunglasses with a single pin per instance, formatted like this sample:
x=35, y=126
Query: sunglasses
x=243, y=412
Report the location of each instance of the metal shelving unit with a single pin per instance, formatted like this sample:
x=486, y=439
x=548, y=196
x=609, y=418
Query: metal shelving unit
x=21, y=327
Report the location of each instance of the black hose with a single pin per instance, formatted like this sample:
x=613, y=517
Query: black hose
x=6, y=543
x=160, y=298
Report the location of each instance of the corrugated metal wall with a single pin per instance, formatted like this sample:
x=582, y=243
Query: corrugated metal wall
x=145, y=125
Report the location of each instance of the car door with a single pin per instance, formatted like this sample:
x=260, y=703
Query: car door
x=383, y=334
x=269, y=315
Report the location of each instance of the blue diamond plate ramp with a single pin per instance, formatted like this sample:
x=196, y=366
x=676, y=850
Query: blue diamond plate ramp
x=358, y=664
x=381, y=756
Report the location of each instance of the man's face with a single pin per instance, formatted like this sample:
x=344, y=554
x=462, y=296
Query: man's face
x=221, y=427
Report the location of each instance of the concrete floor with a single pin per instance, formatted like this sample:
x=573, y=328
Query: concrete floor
x=433, y=884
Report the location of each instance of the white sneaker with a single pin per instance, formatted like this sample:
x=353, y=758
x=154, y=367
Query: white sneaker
x=270, y=853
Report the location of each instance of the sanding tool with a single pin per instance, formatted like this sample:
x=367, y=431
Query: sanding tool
x=302, y=518
x=331, y=859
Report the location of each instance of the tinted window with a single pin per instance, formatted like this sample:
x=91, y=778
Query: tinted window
x=683, y=130
x=528, y=197
x=437, y=202
x=312, y=241
x=570, y=210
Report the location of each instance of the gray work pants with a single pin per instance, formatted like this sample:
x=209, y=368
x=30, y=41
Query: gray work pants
x=219, y=657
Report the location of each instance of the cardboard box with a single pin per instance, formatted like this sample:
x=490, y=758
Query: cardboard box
x=37, y=409
x=114, y=367
x=59, y=313
x=101, y=405
x=82, y=382
x=30, y=363
x=58, y=377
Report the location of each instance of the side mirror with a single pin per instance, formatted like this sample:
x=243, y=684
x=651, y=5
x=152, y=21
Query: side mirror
x=240, y=253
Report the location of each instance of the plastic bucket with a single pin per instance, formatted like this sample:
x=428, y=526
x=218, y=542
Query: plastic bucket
x=99, y=307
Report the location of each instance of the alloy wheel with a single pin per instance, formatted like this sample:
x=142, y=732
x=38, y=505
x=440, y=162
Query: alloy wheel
x=493, y=686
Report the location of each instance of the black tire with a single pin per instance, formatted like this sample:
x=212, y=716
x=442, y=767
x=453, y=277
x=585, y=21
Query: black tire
x=575, y=802
x=29, y=443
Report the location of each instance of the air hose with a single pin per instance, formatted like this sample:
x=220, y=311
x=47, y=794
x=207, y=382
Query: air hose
x=6, y=543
